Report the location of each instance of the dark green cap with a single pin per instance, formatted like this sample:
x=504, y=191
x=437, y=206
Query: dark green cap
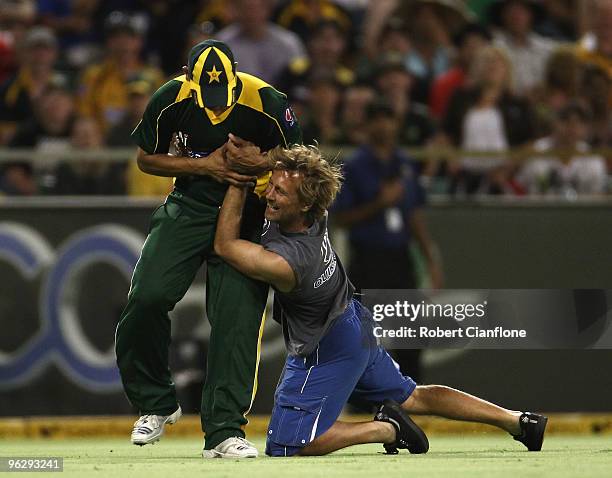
x=213, y=74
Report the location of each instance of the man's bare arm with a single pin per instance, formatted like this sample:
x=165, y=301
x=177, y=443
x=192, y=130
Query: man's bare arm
x=212, y=165
x=249, y=258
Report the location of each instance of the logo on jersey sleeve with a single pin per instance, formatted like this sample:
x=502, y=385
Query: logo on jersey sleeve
x=289, y=116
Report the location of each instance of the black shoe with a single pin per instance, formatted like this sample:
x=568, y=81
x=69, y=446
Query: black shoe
x=408, y=435
x=532, y=430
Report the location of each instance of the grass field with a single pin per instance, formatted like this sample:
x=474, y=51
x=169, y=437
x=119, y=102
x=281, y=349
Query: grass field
x=449, y=456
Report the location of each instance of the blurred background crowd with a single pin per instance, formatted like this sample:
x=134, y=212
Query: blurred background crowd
x=484, y=96
x=417, y=97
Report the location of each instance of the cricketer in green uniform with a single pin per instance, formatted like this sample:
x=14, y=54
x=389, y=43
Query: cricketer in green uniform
x=207, y=104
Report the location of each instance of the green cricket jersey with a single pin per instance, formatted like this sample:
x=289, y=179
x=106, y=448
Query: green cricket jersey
x=260, y=115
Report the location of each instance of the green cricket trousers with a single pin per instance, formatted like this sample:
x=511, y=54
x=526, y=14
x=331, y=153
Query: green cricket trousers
x=181, y=237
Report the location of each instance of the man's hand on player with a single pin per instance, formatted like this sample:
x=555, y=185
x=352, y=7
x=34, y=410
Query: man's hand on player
x=244, y=157
x=215, y=166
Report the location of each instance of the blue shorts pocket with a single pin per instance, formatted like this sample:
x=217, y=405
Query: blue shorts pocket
x=294, y=419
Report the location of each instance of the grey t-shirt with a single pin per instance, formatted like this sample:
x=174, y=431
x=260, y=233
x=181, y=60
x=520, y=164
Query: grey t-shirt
x=322, y=288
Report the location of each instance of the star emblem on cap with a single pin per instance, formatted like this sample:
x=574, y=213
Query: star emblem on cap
x=214, y=75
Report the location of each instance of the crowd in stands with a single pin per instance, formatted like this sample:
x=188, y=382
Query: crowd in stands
x=522, y=88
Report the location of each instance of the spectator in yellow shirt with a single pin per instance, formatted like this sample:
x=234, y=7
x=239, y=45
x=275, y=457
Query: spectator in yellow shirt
x=103, y=91
x=20, y=92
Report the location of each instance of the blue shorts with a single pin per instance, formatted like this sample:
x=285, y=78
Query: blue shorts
x=347, y=364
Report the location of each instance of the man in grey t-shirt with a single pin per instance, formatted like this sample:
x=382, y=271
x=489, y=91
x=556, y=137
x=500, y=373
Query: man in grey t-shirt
x=322, y=291
x=333, y=355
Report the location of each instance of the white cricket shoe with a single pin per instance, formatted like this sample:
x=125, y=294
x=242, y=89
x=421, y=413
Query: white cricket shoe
x=149, y=428
x=233, y=447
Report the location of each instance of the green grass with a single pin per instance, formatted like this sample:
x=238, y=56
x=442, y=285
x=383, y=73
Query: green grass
x=449, y=456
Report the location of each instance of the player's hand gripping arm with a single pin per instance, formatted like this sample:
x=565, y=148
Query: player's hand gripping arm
x=249, y=258
x=244, y=157
x=213, y=165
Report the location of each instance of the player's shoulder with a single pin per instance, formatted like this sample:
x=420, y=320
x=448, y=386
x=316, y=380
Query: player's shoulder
x=171, y=92
x=251, y=84
x=273, y=107
x=261, y=96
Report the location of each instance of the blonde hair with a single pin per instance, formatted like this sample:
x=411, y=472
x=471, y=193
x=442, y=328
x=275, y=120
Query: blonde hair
x=321, y=179
x=480, y=65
